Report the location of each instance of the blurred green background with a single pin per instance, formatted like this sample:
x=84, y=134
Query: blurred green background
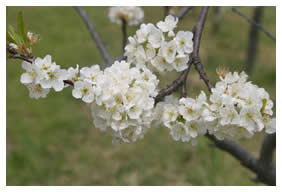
x=52, y=141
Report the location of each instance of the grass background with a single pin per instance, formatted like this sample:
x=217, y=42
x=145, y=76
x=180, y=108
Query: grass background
x=53, y=142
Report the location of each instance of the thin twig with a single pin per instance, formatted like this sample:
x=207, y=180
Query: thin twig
x=183, y=12
x=95, y=36
x=183, y=89
x=124, y=34
x=15, y=55
x=253, y=41
x=174, y=85
x=197, y=30
x=21, y=57
x=259, y=26
x=166, y=11
x=264, y=173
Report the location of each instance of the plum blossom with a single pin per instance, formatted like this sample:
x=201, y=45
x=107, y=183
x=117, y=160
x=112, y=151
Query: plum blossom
x=132, y=15
x=158, y=48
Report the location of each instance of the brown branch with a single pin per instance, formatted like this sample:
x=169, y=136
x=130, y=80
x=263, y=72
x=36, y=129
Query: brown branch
x=16, y=55
x=197, y=30
x=182, y=78
x=183, y=12
x=265, y=173
x=124, y=34
x=174, y=85
x=253, y=41
x=252, y=22
x=95, y=36
x=166, y=11
x=267, y=150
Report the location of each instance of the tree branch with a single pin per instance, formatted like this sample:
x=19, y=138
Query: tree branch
x=16, y=55
x=264, y=173
x=183, y=12
x=124, y=34
x=166, y=11
x=253, y=41
x=95, y=36
x=267, y=150
x=252, y=22
x=174, y=85
x=197, y=30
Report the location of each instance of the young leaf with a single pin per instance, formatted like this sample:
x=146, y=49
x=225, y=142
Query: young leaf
x=22, y=28
x=9, y=37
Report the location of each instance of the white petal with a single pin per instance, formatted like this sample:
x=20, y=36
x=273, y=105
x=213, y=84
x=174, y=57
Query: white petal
x=26, y=78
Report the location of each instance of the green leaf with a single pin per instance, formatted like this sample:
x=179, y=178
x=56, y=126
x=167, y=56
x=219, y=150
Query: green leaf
x=9, y=37
x=22, y=28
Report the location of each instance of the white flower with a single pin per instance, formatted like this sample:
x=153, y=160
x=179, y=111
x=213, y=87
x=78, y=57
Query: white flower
x=184, y=42
x=170, y=114
x=270, y=125
x=156, y=37
x=36, y=91
x=161, y=64
x=228, y=115
x=125, y=102
x=251, y=119
x=142, y=34
x=132, y=15
x=169, y=24
x=54, y=78
x=32, y=74
x=230, y=78
x=161, y=52
x=84, y=90
x=168, y=51
x=44, y=64
x=189, y=109
x=73, y=74
x=90, y=74
x=181, y=62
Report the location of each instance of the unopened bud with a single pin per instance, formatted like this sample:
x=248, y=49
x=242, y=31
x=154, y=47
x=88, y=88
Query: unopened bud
x=13, y=46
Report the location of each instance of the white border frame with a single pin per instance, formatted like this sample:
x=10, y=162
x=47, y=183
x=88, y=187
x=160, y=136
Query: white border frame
x=3, y=5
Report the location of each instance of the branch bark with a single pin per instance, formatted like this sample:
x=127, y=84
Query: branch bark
x=174, y=85
x=95, y=36
x=183, y=12
x=166, y=11
x=15, y=55
x=264, y=173
x=253, y=41
x=124, y=34
x=198, y=30
x=252, y=22
x=267, y=150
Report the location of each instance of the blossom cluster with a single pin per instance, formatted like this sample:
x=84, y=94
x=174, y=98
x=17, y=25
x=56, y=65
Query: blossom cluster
x=240, y=107
x=159, y=48
x=132, y=15
x=41, y=75
x=236, y=109
x=121, y=97
x=186, y=118
x=125, y=101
